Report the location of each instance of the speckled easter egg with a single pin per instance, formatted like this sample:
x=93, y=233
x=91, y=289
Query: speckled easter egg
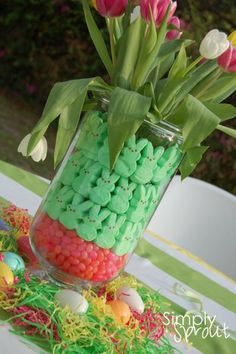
x=6, y=275
x=76, y=302
x=132, y=298
x=14, y=262
x=120, y=310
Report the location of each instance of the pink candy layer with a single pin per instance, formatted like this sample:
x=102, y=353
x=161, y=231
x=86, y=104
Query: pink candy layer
x=68, y=252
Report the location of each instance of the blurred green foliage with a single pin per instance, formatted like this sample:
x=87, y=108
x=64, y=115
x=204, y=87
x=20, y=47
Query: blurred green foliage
x=41, y=42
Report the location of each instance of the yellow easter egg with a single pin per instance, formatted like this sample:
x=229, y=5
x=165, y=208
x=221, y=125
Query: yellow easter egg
x=6, y=275
x=120, y=310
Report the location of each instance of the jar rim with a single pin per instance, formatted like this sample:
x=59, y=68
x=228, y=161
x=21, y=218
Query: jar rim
x=167, y=128
x=163, y=126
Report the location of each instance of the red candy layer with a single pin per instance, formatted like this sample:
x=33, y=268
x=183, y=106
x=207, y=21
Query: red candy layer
x=65, y=250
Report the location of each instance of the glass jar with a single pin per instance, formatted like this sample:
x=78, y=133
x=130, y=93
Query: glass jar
x=91, y=219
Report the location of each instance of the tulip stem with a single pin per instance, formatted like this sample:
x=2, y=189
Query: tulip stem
x=193, y=64
x=110, y=26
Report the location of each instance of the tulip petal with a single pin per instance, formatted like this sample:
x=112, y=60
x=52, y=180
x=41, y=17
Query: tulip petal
x=45, y=149
x=37, y=156
x=157, y=9
x=22, y=148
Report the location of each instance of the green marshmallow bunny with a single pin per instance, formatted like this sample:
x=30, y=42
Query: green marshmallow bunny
x=88, y=175
x=139, y=228
x=74, y=211
x=101, y=194
x=167, y=165
x=159, y=174
x=92, y=138
x=125, y=239
x=110, y=228
x=72, y=168
x=94, y=142
x=130, y=154
x=91, y=122
x=53, y=191
x=146, y=164
x=59, y=202
x=153, y=201
x=122, y=194
x=138, y=204
x=170, y=157
x=88, y=228
x=125, y=188
x=103, y=154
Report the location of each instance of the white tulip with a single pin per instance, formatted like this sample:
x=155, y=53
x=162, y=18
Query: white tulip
x=135, y=14
x=214, y=44
x=38, y=153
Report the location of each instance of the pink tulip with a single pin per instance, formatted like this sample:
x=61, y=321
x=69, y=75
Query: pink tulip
x=111, y=8
x=157, y=8
x=227, y=60
x=174, y=34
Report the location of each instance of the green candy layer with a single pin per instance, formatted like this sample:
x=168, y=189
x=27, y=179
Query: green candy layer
x=110, y=209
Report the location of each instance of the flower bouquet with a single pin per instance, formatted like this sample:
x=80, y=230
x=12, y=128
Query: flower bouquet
x=137, y=128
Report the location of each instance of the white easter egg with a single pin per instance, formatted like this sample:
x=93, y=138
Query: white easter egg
x=76, y=302
x=132, y=298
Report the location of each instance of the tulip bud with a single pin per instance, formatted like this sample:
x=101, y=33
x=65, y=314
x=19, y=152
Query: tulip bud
x=174, y=34
x=157, y=9
x=38, y=153
x=110, y=8
x=214, y=44
x=232, y=38
x=228, y=59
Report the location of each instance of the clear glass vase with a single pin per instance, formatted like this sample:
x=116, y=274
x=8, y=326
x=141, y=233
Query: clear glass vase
x=91, y=219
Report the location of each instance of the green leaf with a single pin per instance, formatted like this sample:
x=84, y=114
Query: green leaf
x=97, y=38
x=118, y=28
x=169, y=92
x=170, y=47
x=221, y=89
x=61, y=96
x=165, y=58
x=229, y=131
x=151, y=45
x=177, y=69
x=205, y=84
x=128, y=53
x=165, y=65
x=127, y=111
x=67, y=126
x=191, y=159
x=147, y=90
x=194, y=78
x=224, y=111
x=126, y=18
x=195, y=120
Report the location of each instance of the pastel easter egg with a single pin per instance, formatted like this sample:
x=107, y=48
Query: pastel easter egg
x=76, y=302
x=6, y=275
x=132, y=298
x=14, y=262
x=4, y=226
x=120, y=310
